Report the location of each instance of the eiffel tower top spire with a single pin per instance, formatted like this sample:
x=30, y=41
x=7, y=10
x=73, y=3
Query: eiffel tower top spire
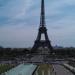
x=42, y=16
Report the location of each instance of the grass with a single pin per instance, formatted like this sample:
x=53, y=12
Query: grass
x=5, y=67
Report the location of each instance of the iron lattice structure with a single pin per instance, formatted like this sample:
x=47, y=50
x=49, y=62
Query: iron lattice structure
x=42, y=30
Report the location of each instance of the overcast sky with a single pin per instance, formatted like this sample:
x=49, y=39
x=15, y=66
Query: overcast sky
x=19, y=22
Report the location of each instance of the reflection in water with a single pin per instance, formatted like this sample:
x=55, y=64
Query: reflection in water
x=45, y=69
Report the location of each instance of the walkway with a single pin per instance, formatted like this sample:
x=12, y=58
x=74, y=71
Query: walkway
x=60, y=70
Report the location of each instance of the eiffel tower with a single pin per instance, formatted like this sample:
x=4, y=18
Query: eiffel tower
x=42, y=30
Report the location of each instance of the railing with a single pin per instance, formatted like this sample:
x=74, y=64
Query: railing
x=70, y=68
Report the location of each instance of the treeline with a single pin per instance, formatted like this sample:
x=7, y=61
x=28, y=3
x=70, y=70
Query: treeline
x=9, y=53
x=68, y=52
